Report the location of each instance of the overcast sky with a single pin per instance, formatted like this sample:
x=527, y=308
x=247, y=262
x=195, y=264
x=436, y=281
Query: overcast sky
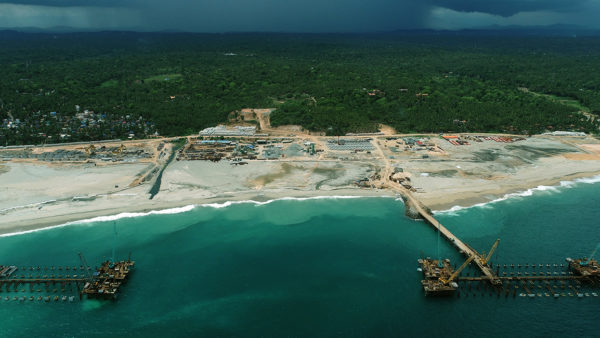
x=295, y=15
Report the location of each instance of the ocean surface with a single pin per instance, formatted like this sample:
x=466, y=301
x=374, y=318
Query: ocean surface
x=344, y=267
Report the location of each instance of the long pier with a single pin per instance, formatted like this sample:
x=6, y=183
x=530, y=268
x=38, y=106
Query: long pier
x=524, y=278
x=464, y=248
x=40, y=280
x=441, y=280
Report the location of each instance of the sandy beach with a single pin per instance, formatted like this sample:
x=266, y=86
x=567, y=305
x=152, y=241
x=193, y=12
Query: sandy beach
x=35, y=195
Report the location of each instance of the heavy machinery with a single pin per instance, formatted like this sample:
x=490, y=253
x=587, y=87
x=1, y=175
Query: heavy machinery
x=120, y=149
x=444, y=285
x=457, y=272
x=90, y=150
x=439, y=275
x=486, y=259
x=587, y=267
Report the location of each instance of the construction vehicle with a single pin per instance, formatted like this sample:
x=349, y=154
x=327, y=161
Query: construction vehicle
x=120, y=149
x=90, y=150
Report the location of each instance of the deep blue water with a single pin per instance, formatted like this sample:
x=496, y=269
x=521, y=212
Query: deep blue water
x=324, y=267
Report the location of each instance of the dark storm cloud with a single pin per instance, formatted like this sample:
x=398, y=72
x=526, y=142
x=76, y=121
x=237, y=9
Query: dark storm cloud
x=510, y=7
x=290, y=15
x=295, y=15
x=498, y=7
x=70, y=3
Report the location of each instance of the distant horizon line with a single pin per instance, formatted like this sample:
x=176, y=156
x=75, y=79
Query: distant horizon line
x=557, y=29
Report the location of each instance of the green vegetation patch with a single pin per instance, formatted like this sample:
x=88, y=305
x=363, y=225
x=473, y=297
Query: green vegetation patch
x=334, y=84
x=109, y=84
x=567, y=101
x=164, y=77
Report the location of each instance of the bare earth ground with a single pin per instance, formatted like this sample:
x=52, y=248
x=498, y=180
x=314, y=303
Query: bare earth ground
x=35, y=195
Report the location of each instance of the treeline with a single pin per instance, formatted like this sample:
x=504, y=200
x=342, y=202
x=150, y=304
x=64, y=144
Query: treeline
x=332, y=83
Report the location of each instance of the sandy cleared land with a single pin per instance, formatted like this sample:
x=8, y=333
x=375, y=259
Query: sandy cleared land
x=35, y=195
x=29, y=184
x=594, y=148
x=485, y=171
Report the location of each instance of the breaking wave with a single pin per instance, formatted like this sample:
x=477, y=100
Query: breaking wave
x=526, y=193
x=178, y=210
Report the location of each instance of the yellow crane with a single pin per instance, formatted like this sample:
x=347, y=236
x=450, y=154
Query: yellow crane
x=486, y=259
x=455, y=273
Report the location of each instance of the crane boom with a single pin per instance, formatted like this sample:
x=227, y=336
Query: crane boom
x=486, y=260
x=446, y=281
x=85, y=266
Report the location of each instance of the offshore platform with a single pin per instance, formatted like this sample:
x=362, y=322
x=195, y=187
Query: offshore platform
x=63, y=283
x=576, y=278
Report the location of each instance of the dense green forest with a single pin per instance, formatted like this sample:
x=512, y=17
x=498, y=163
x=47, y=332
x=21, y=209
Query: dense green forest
x=179, y=83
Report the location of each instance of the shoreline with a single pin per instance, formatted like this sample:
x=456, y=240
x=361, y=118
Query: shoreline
x=444, y=177
x=498, y=195
x=33, y=225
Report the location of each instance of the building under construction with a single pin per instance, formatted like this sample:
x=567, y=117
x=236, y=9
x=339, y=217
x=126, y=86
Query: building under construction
x=208, y=150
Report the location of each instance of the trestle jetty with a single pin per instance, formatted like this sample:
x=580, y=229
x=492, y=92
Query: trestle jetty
x=578, y=277
x=64, y=283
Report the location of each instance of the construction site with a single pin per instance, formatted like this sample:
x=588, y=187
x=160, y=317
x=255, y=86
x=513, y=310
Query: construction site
x=52, y=183
x=238, y=150
x=577, y=278
x=64, y=283
x=80, y=152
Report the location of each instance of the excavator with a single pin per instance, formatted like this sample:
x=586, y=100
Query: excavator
x=90, y=150
x=120, y=150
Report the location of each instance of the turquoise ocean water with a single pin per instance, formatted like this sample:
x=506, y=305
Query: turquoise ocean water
x=317, y=267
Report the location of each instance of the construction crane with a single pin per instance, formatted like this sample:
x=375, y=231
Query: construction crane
x=455, y=273
x=486, y=259
x=114, y=243
x=86, y=267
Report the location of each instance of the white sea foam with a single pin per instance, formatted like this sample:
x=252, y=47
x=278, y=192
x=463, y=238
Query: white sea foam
x=526, y=193
x=589, y=180
x=108, y=219
x=229, y=203
x=135, y=214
